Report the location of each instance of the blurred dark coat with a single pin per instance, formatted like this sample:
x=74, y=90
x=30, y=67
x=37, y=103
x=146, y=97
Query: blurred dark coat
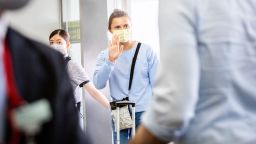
x=40, y=73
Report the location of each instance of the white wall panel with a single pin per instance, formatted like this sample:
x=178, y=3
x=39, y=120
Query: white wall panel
x=37, y=19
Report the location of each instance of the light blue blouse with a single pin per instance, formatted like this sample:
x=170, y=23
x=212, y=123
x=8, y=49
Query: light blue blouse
x=118, y=74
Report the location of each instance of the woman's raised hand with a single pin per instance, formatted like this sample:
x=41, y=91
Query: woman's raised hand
x=114, y=48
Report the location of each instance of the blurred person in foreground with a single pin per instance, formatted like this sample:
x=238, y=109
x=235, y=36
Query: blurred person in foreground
x=36, y=98
x=205, y=87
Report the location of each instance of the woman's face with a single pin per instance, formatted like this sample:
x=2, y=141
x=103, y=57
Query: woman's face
x=121, y=27
x=59, y=44
x=120, y=23
x=57, y=39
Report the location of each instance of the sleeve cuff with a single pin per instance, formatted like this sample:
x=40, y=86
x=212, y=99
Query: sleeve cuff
x=83, y=83
x=109, y=63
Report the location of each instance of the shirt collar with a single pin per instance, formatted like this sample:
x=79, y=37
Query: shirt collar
x=3, y=28
x=3, y=31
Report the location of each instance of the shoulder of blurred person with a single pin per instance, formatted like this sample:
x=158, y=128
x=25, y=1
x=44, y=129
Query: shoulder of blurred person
x=198, y=76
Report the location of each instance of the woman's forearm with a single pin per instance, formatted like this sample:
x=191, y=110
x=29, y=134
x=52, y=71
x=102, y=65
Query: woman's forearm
x=97, y=95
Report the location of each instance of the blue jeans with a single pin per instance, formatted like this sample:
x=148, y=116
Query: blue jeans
x=125, y=134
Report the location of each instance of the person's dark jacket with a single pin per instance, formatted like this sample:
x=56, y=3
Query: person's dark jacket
x=40, y=73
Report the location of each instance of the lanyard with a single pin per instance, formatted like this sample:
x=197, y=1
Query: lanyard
x=13, y=97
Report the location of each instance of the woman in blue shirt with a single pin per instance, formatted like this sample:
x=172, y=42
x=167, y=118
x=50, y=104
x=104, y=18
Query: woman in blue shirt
x=113, y=65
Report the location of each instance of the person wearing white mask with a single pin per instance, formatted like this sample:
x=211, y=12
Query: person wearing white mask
x=113, y=65
x=60, y=40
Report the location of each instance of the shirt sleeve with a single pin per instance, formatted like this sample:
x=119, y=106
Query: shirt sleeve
x=153, y=61
x=175, y=92
x=102, y=71
x=77, y=73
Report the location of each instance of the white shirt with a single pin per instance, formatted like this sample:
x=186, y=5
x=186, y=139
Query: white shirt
x=205, y=88
x=78, y=77
x=3, y=30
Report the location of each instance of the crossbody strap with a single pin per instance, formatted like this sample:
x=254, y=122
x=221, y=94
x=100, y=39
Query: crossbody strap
x=133, y=65
x=113, y=104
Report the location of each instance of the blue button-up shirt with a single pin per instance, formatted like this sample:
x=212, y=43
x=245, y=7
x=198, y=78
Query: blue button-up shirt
x=3, y=29
x=118, y=75
x=206, y=87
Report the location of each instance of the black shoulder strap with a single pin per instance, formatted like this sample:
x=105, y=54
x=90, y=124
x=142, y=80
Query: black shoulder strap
x=133, y=65
x=66, y=60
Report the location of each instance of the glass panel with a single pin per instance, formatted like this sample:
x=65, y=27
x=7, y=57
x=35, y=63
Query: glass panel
x=144, y=16
x=71, y=23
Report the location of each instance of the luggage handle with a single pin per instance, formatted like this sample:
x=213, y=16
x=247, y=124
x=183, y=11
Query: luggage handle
x=122, y=103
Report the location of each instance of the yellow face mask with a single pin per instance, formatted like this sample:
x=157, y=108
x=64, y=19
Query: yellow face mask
x=123, y=34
